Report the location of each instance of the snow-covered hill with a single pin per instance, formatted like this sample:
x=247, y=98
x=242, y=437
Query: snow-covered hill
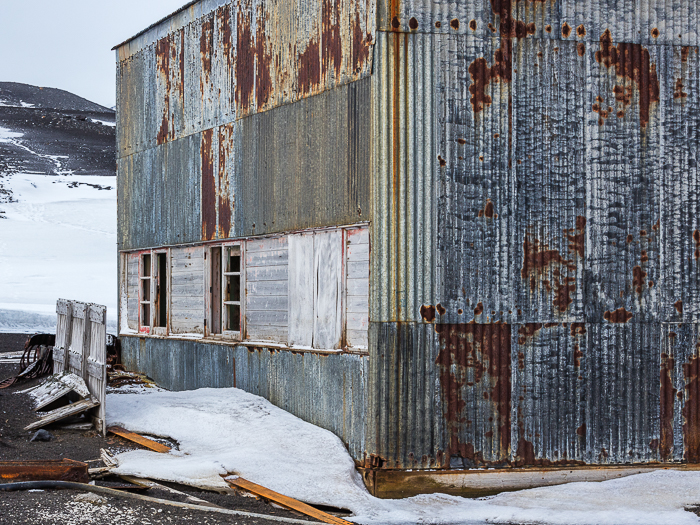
x=57, y=205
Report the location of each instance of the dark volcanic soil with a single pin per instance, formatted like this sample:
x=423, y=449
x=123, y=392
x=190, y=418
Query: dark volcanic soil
x=59, y=125
x=64, y=506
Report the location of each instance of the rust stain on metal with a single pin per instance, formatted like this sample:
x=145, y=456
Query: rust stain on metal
x=581, y=49
x=655, y=32
x=577, y=329
x=630, y=238
x=577, y=356
x=479, y=309
x=631, y=61
x=206, y=43
x=208, y=187
x=644, y=257
x=668, y=395
x=581, y=31
x=691, y=412
x=440, y=309
x=413, y=23
x=263, y=81
x=55, y=470
x=472, y=354
x=454, y=24
x=528, y=331
x=488, y=210
x=565, y=30
x=678, y=92
x=310, y=67
x=360, y=45
x=679, y=307
x=696, y=238
x=245, y=61
x=621, y=315
x=224, y=200
x=163, y=66
x=332, y=56
x=638, y=276
x=427, y=312
x=685, y=51
x=562, y=293
x=472, y=25
x=581, y=431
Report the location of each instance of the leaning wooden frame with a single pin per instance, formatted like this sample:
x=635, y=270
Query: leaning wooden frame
x=81, y=349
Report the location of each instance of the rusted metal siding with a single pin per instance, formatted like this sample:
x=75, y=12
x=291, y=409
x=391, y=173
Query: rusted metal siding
x=326, y=390
x=545, y=182
x=643, y=22
x=212, y=64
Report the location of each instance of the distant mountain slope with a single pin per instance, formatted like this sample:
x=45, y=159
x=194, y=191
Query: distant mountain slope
x=51, y=131
x=13, y=93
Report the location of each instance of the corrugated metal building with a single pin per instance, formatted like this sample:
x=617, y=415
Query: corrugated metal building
x=455, y=233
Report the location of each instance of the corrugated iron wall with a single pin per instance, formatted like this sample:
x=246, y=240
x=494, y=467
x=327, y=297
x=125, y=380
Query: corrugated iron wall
x=534, y=233
x=253, y=110
x=297, y=382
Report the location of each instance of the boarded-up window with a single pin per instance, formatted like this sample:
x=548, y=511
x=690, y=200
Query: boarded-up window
x=357, y=287
x=132, y=291
x=316, y=267
x=266, y=282
x=187, y=290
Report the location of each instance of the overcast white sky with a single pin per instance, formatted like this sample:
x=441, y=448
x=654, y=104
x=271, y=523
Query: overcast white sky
x=66, y=43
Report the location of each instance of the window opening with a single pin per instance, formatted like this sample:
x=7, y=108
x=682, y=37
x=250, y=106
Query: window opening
x=215, y=290
x=161, y=319
x=145, y=290
x=232, y=288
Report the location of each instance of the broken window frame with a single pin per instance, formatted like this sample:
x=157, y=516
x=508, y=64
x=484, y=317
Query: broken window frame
x=151, y=272
x=217, y=303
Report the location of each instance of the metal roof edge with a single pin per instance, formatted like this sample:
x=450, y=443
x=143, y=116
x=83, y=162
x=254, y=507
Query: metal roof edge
x=155, y=24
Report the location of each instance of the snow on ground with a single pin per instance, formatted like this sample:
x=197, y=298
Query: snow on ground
x=57, y=241
x=223, y=431
x=105, y=123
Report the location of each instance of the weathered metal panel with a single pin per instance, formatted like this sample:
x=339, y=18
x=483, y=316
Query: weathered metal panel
x=212, y=64
x=326, y=390
x=644, y=22
x=549, y=193
x=680, y=207
x=159, y=195
x=549, y=393
x=304, y=165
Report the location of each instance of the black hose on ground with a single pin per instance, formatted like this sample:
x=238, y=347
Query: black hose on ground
x=43, y=485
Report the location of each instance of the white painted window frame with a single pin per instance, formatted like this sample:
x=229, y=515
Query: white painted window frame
x=225, y=248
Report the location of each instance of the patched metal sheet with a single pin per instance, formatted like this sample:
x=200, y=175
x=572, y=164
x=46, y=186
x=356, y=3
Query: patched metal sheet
x=326, y=390
x=549, y=393
x=649, y=22
x=212, y=64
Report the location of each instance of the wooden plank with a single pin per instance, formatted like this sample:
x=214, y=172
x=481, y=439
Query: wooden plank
x=266, y=258
x=358, y=287
x=301, y=289
x=328, y=268
x=267, y=273
x=64, y=412
x=188, y=267
x=52, y=470
x=187, y=302
x=273, y=334
x=267, y=317
x=357, y=321
x=358, y=235
x=268, y=244
x=285, y=501
x=191, y=253
x=268, y=288
x=193, y=290
x=358, y=252
x=57, y=387
x=267, y=302
x=358, y=269
x=357, y=338
x=143, y=441
x=358, y=304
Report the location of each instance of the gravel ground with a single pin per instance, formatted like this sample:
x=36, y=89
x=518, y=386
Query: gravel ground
x=68, y=507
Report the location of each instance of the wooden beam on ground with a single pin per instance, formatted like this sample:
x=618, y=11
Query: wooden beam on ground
x=287, y=502
x=54, y=470
x=396, y=484
x=61, y=413
x=143, y=441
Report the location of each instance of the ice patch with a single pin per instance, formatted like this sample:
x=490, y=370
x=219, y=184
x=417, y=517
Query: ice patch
x=230, y=431
x=7, y=136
